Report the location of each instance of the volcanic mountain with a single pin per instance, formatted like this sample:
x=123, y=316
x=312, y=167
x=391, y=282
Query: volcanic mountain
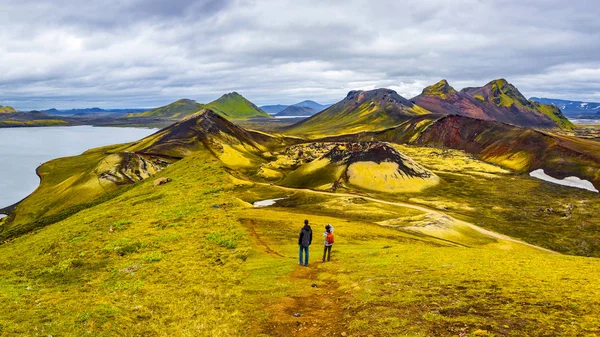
x=231, y=106
x=234, y=106
x=359, y=111
x=496, y=101
x=204, y=129
x=371, y=166
x=176, y=110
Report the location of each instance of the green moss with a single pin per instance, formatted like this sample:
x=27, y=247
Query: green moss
x=7, y=109
x=36, y=122
x=441, y=89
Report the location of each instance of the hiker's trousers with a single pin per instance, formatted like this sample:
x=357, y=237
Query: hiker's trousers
x=305, y=249
x=327, y=251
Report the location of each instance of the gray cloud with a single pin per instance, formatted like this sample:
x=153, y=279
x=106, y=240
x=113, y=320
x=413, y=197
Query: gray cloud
x=115, y=53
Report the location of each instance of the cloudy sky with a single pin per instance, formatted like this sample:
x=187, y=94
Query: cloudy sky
x=136, y=53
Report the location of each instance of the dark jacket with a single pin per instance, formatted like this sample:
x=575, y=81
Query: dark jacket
x=305, y=237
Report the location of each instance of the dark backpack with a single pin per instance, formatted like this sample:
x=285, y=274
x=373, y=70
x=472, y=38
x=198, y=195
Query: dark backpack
x=329, y=238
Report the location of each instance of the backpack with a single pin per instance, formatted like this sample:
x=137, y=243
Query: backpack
x=329, y=238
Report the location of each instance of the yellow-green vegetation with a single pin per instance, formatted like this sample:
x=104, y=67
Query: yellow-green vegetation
x=34, y=122
x=176, y=110
x=506, y=95
x=386, y=177
x=441, y=89
x=353, y=166
x=7, y=109
x=193, y=257
x=70, y=184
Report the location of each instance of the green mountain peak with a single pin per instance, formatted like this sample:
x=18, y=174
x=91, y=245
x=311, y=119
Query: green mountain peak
x=234, y=105
x=441, y=88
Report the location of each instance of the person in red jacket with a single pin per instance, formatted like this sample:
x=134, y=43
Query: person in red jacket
x=328, y=235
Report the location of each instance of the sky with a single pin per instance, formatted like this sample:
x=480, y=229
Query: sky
x=135, y=53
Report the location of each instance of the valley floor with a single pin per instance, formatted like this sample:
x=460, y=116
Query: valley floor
x=194, y=258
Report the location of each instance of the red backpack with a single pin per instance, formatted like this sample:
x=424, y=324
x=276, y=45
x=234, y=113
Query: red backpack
x=329, y=238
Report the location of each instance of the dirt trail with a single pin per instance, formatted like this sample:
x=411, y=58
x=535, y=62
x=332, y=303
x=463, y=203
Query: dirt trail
x=419, y=208
x=250, y=224
x=318, y=313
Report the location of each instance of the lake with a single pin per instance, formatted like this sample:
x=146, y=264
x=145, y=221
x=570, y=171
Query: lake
x=22, y=150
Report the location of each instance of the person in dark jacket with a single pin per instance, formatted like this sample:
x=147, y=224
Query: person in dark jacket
x=304, y=240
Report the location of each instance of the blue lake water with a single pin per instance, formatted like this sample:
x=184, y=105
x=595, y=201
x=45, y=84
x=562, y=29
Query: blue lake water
x=22, y=150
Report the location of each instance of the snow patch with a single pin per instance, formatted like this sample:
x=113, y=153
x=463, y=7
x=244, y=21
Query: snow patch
x=583, y=105
x=568, y=181
x=268, y=202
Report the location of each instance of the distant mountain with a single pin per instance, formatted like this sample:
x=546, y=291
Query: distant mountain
x=273, y=109
x=313, y=105
x=496, y=101
x=176, y=110
x=234, y=105
x=294, y=110
x=572, y=108
x=7, y=109
x=90, y=111
x=360, y=111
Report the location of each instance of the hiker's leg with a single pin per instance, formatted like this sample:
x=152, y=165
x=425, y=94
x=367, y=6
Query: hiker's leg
x=329, y=253
x=324, y=252
x=300, y=253
x=306, y=257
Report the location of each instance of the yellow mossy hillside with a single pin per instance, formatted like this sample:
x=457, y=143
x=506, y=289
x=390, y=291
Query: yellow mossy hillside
x=386, y=177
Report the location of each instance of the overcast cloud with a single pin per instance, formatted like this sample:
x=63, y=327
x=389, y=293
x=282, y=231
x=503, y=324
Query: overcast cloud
x=135, y=53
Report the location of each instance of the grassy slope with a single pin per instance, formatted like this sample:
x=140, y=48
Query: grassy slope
x=66, y=181
x=519, y=206
x=188, y=258
x=6, y=109
x=36, y=122
x=70, y=184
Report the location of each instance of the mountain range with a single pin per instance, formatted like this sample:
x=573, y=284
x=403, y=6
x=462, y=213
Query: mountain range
x=231, y=105
x=90, y=111
x=497, y=100
x=304, y=108
x=379, y=109
x=571, y=108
